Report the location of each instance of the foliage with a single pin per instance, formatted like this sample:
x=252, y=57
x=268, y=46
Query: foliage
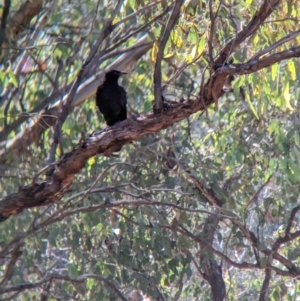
x=136, y=223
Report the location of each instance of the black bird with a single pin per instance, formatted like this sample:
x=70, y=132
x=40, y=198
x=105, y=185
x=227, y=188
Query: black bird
x=111, y=98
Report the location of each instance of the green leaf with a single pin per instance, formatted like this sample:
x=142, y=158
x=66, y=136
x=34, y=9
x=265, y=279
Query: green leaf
x=72, y=270
x=13, y=79
x=90, y=283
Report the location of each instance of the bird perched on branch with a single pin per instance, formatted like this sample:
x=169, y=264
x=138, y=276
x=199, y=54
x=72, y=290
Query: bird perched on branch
x=111, y=98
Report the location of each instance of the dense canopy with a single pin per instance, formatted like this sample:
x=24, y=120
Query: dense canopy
x=202, y=200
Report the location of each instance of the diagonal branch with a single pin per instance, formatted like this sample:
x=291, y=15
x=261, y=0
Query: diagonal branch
x=48, y=277
x=259, y=17
x=15, y=254
x=5, y=14
x=291, y=219
x=104, y=142
x=287, y=38
x=218, y=79
x=254, y=65
x=158, y=105
x=86, y=90
x=266, y=283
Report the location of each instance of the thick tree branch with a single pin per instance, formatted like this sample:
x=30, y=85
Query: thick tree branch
x=285, y=239
x=217, y=80
x=5, y=13
x=3, y=34
x=104, y=142
x=291, y=219
x=212, y=272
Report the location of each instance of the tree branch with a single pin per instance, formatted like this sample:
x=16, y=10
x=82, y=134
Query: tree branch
x=259, y=17
x=254, y=65
x=291, y=219
x=287, y=38
x=266, y=283
x=15, y=254
x=158, y=105
x=104, y=142
x=48, y=277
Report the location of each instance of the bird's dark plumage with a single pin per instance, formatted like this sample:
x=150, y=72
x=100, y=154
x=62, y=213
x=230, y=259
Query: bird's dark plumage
x=111, y=98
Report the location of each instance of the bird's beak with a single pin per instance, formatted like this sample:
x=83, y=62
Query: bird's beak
x=121, y=73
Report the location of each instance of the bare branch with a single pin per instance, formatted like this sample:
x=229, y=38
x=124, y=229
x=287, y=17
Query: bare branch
x=266, y=283
x=287, y=38
x=255, y=197
x=105, y=142
x=140, y=11
x=292, y=216
x=285, y=239
x=254, y=65
x=212, y=25
x=292, y=268
x=15, y=254
x=243, y=265
x=3, y=35
x=48, y=277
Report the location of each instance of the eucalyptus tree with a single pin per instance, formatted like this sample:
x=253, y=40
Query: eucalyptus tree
x=201, y=203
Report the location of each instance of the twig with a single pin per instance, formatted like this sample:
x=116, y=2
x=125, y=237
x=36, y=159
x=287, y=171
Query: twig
x=254, y=198
x=41, y=171
x=287, y=38
x=142, y=10
x=140, y=29
x=291, y=219
x=15, y=254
